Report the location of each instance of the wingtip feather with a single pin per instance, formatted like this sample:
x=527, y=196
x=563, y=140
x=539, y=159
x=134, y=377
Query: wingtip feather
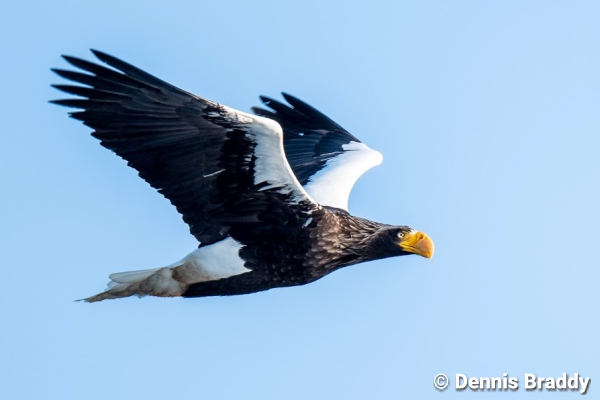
x=265, y=99
x=289, y=98
x=70, y=59
x=102, y=56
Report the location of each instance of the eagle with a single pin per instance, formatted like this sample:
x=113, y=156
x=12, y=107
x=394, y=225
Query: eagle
x=265, y=194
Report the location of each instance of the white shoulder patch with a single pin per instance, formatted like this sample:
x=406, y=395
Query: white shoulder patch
x=331, y=186
x=271, y=166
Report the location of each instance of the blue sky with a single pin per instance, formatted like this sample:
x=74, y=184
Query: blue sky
x=487, y=115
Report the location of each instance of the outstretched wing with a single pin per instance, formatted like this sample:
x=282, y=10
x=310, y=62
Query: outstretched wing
x=326, y=158
x=219, y=167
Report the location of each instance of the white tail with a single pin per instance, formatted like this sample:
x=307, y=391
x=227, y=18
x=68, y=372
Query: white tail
x=219, y=260
x=154, y=282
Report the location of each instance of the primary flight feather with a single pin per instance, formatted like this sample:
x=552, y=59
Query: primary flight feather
x=266, y=195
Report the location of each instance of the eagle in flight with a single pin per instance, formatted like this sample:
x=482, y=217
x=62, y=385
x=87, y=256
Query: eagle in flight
x=265, y=195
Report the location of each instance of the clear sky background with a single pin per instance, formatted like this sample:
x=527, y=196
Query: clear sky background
x=487, y=113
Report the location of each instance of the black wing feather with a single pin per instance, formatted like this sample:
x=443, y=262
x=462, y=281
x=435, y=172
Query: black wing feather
x=195, y=152
x=310, y=138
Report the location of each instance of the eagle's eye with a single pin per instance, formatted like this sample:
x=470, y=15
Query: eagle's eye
x=400, y=235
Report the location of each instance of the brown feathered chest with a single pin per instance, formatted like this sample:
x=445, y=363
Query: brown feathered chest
x=295, y=255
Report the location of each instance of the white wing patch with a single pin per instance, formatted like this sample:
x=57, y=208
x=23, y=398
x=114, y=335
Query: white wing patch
x=271, y=165
x=331, y=186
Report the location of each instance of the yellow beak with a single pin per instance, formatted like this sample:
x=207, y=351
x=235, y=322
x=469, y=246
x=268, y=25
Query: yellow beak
x=417, y=243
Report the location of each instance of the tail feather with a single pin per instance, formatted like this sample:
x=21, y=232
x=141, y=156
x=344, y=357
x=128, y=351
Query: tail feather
x=155, y=282
x=219, y=260
x=132, y=276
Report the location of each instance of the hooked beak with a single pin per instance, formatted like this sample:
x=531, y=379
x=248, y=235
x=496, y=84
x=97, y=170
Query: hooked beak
x=417, y=243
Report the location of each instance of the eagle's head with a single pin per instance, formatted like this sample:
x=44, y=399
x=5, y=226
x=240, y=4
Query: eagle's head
x=414, y=242
x=401, y=241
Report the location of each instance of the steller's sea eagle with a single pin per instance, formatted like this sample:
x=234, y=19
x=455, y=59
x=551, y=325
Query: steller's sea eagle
x=266, y=195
